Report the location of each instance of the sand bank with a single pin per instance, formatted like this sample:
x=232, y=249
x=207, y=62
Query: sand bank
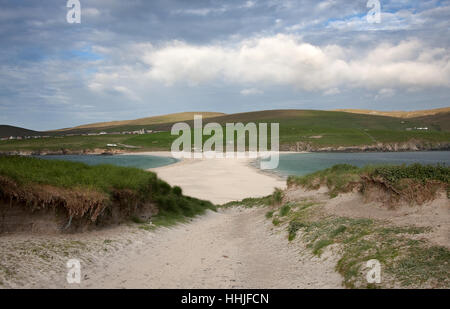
x=218, y=180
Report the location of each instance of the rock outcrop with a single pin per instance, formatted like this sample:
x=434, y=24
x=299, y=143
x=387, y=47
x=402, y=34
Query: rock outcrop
x=378, y=147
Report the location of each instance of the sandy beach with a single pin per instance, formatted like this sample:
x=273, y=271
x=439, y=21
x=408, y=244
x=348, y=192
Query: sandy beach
x=218, y=180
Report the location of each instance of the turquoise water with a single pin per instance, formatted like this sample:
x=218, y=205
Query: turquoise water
x=302, y=164
x=139, y=161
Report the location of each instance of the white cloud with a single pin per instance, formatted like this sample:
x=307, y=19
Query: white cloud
x=324, y=5
x=385, y=93
x=332, y=91
x=251, y=91
x=90, y=12
x=202, y=11
x=214, y=10
x=249, y=4
x=286, y=60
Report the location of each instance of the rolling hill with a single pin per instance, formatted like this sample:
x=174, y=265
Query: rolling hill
x=312, y=130
x=170, y=118
x=437, y=118
x=7, y=131
x=398, y=114
x=440, y=121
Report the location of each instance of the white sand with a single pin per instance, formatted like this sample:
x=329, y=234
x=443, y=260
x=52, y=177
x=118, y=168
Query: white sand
x=233, y=248
x=236, y=248
x=219, y=180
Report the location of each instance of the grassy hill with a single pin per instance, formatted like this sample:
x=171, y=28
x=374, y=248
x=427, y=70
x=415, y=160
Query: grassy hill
x=170, y=118
x=399, y=114
x=7, y=131
x=439, y=121
x=315, y=129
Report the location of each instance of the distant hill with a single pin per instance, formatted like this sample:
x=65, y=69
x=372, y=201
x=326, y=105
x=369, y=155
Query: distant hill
x=300, y=130
x=170, y=118
x=331, y=119
x=7, y=131
x=439, y=121
x=398, y=114
x=438, y=118
x=293, y=123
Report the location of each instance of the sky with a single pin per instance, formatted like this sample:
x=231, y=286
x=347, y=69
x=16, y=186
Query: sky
x=138, y=58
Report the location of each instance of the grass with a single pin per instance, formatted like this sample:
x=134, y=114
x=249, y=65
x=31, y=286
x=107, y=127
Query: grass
x=128, y=185
x=26, y=170
x=337, y=178
x=154, y=141
x=149, y=121
x=405, y=181
x=270, y=200
x=269, y=214
x=75, y=143
x=404, y=260
x=422, y=173
x=284, y=210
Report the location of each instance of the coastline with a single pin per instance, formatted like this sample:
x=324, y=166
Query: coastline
x=298, y=147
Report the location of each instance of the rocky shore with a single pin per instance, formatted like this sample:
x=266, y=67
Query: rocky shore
x=412, y=145
x=378, y=147
x=97, y=151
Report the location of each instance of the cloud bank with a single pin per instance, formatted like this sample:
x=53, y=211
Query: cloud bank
x=287, y=60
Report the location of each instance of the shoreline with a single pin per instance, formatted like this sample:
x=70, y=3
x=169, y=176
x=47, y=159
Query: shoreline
x=382, y=148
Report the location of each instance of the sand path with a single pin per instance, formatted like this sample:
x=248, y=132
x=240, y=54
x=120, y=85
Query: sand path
x=236, y=248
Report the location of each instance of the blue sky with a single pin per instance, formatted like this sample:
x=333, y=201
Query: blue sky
x=138, y=58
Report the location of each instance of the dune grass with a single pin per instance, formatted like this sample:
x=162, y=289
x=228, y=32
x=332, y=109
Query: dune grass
x=66, y=174
x=143, y=186
x=274, y=199
x=344, y=177
x=337, y=178
x=406, y=261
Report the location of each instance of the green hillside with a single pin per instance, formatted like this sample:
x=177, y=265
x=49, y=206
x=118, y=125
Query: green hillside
x=7, y=131
x=137, y=124
x=316, y=128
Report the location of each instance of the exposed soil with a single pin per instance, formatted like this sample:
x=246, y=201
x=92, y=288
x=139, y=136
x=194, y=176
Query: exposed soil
x=48, y=209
